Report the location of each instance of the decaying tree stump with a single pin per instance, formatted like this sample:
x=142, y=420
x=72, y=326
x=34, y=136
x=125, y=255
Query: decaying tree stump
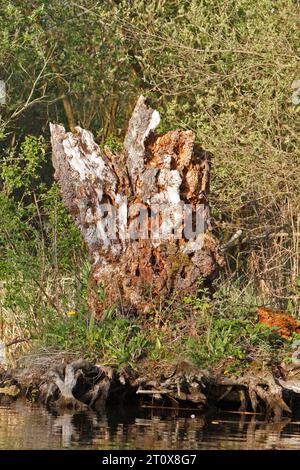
x=143, y=214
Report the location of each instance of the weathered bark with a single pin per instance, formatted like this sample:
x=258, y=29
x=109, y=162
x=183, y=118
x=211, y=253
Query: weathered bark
x=158, y=173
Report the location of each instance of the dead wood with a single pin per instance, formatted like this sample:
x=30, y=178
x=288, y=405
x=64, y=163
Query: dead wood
x=78, y=385
x=81, y=384
x=260, y=390
x=139, y=259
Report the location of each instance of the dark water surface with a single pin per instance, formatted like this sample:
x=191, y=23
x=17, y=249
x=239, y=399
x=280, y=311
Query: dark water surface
x=24, y=426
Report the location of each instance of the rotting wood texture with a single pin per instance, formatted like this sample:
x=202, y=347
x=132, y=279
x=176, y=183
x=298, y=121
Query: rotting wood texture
x=139, y=212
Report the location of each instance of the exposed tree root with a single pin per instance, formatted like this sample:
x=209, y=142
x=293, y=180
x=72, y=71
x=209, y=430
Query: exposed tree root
x=258, y=390
x=81, y=384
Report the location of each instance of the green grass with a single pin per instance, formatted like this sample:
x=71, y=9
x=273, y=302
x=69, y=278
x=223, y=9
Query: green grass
x=209, y=332
x=115, y=340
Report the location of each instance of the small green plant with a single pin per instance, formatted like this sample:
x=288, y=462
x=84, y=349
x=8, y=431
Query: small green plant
x=114, y=340
x=21, y=170
x=223, y=327
x=233, y=339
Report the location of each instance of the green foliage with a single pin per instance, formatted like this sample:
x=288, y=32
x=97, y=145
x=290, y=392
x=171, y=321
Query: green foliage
x=22, y=171
x=220, y=329
x=228, y=329
x=42, y=259
x=233, y=339
x=117, y=341
x=65, y=246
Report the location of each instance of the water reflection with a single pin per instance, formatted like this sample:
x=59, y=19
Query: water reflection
x=32, y=427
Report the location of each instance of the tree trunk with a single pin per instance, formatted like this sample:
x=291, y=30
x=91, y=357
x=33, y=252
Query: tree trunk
x=143, y=214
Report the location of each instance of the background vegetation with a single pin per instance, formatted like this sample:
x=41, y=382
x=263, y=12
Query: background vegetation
x=224, y=69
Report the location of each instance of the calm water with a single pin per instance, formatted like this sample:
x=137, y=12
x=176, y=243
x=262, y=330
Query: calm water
x=31, y=427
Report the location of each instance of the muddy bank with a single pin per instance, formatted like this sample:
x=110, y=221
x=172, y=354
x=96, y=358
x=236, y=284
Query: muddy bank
x=82, y=384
